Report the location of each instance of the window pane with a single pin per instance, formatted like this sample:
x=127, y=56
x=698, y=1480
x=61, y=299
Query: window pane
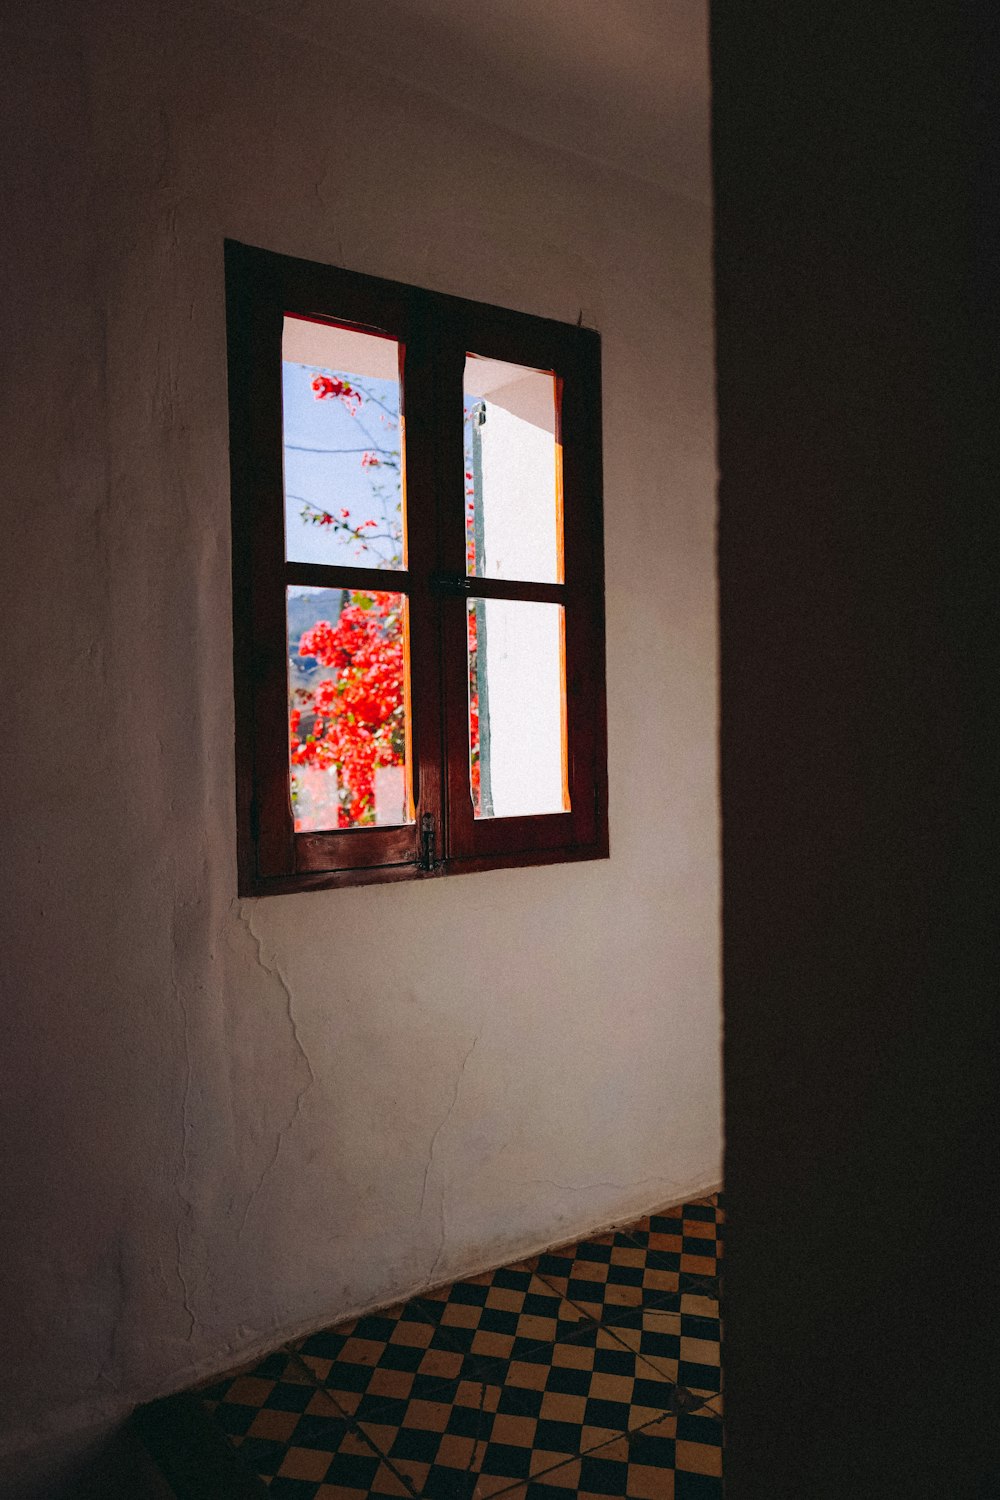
x=343, y=446
x=513, y=472
x=517, y=708
x=348, y=709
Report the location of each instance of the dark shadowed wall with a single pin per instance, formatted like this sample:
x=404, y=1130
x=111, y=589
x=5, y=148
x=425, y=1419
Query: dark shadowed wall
x=857, y=565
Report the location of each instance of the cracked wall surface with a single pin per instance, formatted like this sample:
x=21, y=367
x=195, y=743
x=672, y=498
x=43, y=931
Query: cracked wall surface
x=229, y=1121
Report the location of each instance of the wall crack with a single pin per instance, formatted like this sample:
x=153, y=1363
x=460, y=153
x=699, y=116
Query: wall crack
x=430, y=1160
x=273, y=971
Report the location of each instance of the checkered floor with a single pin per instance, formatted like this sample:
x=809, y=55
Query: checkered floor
x=592, y=1370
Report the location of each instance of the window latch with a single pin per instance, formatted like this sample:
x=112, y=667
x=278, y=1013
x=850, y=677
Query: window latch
x=450, y=585
x=428, y=860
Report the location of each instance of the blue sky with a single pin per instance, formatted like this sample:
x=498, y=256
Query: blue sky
x=335, y=480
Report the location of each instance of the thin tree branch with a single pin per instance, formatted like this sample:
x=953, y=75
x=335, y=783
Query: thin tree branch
x=368, y=448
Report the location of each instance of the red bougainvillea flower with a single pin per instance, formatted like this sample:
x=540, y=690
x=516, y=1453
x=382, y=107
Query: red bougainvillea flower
x=359, y=713
x=332, y=388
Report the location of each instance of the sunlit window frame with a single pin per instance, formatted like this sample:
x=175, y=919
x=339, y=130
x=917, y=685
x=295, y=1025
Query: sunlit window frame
x=437, y=332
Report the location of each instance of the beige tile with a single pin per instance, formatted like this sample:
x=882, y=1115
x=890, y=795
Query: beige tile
x=249, y=1390
x=455, y=1451
x=362, y=1352
x=387, y=1482
x=564, y=1476
x=415, y=1472
x=557, y=1406
x=276, y=1425
x=660, y=1281
x=441, y=1362
x=663, y=1427
x=697, y=1229
x=346, y=1402
x=698, y=1458
x=667, y=1370
x=505, y=1298
x=474, y=1394
x=381, y=1435
x=623, y=1296
x=395, y=1383
x=594, y=1310
x=306, y=1463
x=671, y=1243
x=598, y=1437
x=525, y=1376
x=322, y=1404
x=539, y=1288
x=700, y=1351
x=627, y=1255
x=428, y=1416
x=353, y=1442
x=645, y=1483
x=591, y=1270
x=459, y=1315
x=614, y=1447
x=412, y=1335
x=656, y=1321
x=642, y=1416
x=533, y=1326
x=496, y=1484
x=611, y=1387
x=492, y=1345
x=573, y=1357
x=517, y=1432
x=698, y=1306
x=318, y=1368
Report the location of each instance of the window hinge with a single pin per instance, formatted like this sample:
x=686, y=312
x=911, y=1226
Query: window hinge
x=448, y=585
x=428, y=859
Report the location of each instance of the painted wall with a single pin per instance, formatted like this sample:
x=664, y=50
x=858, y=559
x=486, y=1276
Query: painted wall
x=228, y=1121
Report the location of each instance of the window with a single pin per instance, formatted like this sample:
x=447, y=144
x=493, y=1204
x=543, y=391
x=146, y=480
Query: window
x=418, y=581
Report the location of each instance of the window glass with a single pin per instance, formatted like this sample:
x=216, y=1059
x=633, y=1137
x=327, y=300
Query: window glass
x=342, y=446
x=348, y=709
x=513, y=472
x=517, y=713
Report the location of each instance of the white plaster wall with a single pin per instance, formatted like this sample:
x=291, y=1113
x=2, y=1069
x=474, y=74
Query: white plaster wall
x=229, y=1121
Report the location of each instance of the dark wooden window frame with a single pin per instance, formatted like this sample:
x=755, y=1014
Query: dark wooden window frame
x=434, y=332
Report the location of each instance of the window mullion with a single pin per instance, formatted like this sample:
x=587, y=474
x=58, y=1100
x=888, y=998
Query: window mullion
x=421, y=396
x=449, y=437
